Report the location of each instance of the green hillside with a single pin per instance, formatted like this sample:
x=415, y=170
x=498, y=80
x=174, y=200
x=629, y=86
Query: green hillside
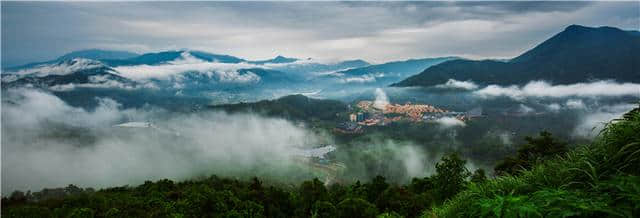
x=294, y=107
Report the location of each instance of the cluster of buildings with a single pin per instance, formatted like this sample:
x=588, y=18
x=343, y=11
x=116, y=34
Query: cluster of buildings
x=412, y=111
x=368, y=114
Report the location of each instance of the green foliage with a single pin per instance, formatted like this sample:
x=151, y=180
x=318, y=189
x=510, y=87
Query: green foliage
x=356, y=207
x=451, y=175
x=295, y=107
x=323, y=209
x=219, y=197
x=596, y=180
x=478, y=176
x=535, y=150
x=26, y=212
x=507, y=206
x=81, y=213
x=310, y=192
x=389, y=215
x=113, y=213
x=376, y=187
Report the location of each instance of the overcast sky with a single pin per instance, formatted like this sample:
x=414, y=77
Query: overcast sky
x=373, y=31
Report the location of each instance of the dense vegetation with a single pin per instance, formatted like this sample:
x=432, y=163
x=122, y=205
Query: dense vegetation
x=601, y=179
x=221, y=197
x=577, y=54
x=544, y=179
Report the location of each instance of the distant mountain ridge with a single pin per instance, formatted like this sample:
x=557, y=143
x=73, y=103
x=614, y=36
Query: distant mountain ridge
x=93, y=54
x=410, y=66
x=277, y=60
x=66, y=72
x=577, y=54
x=98, y=54
x=311, y=67
x=115, y=58
x=176, y=70
x=166, y=56
x=383, y=74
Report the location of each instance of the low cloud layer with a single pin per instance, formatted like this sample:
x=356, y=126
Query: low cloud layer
x=62, y=68
x=455, y=84
x=58, y=144
x=575, y=104
x=545, y=89
x=367, y=78
x=524, y=109
x=101, y=82
x=592, y=123
x=223, y=72
x=450, y=122
x=47, y=143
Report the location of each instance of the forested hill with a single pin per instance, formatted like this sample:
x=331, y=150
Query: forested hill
x=577, y=54
x=294, y=107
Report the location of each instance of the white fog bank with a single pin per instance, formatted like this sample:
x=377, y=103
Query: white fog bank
x=545, y=89
x=47, y=143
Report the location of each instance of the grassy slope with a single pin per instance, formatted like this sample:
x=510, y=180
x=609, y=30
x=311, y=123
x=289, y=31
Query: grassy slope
x=597, y=180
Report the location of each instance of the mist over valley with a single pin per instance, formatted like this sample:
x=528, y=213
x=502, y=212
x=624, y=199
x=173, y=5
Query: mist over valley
x=372, y=133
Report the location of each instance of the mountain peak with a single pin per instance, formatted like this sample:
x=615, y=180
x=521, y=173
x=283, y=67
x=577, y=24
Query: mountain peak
x=283, y=59
x=277, y=60
x=578, y=39
x=580, y=28
x=577, y=54
x=576, y=27
x=97, y=54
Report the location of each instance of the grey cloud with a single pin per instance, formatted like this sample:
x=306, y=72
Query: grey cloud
x=376, y=31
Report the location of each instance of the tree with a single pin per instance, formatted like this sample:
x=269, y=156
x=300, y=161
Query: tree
x=18, y=196
x=389, y=215
x=478, y=176
x=396, y=199
x=376, y=187
x=356, y=207
x=337, y=192
x=323, y=209
x=81, y=213
x=113, y=213
x=536, y=149
x=450, y=177
x=418, y=185
x=28, y=211
x=252, y=209
x=310, y=192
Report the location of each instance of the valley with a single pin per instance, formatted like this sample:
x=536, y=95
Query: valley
x=320, y=109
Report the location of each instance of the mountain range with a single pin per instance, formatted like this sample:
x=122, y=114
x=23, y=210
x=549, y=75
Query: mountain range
x=66, y=73
x=389, y=72
x=182, y=69
x=577, y=54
